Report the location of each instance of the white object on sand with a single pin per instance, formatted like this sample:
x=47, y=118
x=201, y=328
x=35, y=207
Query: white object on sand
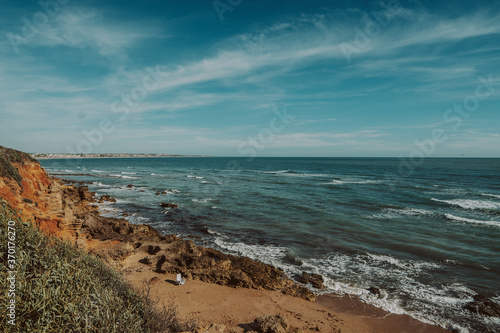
x=180, y=280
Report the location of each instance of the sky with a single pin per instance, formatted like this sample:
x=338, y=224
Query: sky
x=411, y=79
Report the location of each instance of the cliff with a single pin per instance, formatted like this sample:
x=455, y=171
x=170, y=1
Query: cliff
x=65, y=211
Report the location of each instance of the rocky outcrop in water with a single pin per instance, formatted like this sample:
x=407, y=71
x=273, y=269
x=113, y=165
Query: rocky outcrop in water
x=107, y=198
x=168, y=205
x=315, y=280
x=484, y=306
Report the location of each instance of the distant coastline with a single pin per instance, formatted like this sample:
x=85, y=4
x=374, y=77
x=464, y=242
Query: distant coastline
x=43, y=156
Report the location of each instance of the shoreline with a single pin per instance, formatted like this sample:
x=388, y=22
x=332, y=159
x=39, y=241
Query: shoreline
x=355, y=314
x=243, y=288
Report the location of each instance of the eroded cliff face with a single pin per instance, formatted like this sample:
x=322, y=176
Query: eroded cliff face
x=37, y=197
x=65, y=211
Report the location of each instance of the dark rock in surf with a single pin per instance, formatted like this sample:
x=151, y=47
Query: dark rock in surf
x=315, y=279
x=130, y=186
x=168, y=205
x=107, y=198
x=375, y=291
x=484, y=306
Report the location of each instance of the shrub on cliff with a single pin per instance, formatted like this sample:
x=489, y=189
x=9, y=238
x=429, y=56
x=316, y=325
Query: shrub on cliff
x=16, y=156
x=9, y=156
x=7, y=170
x=59, y=288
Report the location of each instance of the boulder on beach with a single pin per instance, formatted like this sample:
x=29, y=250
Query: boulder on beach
x=273, y=324
x=212, y=328
x=152, y=250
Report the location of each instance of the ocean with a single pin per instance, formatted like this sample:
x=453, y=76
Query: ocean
x=428, y=237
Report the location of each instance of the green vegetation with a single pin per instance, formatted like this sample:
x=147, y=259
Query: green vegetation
x=7, y=170
x=15, y=155
x=9, y=156
x=59, y=288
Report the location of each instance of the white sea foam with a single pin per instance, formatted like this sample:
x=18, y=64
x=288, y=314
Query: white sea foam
x=98, y=171
x=137, y=219
x=471, y=204
x=272, y=255
x=172, y=191
x=307, y=175
x=206, y=200
x=491, y=195
x=392, y=213
x=124, y=177
x=129, y=173
x=108, y=210
x=353, y=181
x=273, y=172
x=463, y=219
x=196, y=177
x=403, y=264
x=372, y=267
x=101, y=184
x=454, y=191
x=213, y=232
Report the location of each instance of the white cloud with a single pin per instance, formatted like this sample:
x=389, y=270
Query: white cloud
x=88, y=29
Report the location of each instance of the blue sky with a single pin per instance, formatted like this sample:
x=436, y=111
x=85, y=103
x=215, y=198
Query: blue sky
x=347, y=78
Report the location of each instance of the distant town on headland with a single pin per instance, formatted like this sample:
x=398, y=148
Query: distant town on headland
x=41, y=156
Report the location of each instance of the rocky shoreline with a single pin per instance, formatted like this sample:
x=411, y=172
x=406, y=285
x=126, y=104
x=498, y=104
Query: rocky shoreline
x=71, y=212
x=170, y=254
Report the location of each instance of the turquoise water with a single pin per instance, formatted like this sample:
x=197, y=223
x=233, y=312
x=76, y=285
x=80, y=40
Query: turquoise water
x=429, y=239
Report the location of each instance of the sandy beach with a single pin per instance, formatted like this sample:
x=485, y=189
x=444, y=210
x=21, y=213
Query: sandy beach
x=237, y=308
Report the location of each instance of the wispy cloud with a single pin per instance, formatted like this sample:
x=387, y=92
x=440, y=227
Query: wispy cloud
x=88, y=29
